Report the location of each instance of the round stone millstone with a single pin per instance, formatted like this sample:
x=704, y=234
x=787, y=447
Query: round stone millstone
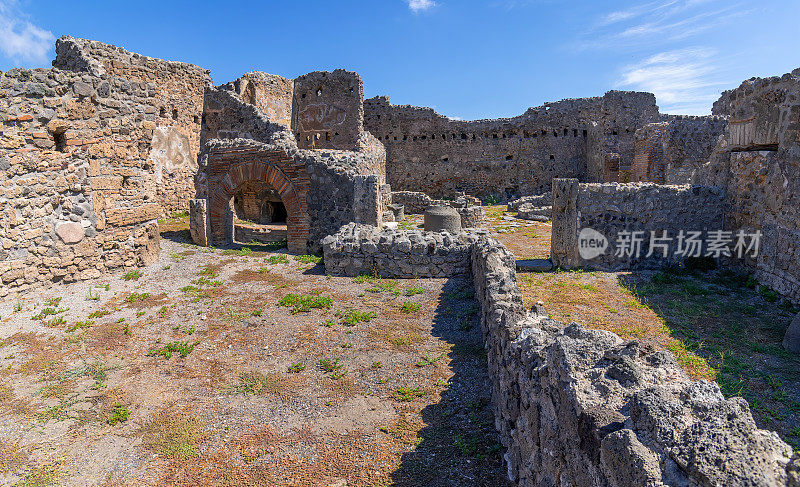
x=442, y=219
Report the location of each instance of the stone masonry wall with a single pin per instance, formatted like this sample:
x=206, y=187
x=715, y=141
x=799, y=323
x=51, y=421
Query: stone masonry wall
x=79, y=193
x=363, y=249
x=505, y=158
x=612, y=208
x=328, y=110
x=175, y=105
x=582, y=407
x=670, y=152
x=758, y=160
x=271, y=94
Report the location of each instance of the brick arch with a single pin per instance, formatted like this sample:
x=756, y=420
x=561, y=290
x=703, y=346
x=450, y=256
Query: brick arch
x=287, y=177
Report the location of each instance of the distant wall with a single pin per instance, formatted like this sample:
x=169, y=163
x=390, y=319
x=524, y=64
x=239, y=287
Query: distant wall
x=506, y=158
x=328, y=110
x=175, y=102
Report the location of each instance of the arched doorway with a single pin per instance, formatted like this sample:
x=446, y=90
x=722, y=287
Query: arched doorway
x=265, y=186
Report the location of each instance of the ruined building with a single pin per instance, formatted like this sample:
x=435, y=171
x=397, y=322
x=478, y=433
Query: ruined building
x=96, y=149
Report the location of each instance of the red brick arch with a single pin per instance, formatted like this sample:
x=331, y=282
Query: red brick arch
x=231, y=168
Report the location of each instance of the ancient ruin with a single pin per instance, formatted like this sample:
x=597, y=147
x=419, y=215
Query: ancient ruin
x=101, y=154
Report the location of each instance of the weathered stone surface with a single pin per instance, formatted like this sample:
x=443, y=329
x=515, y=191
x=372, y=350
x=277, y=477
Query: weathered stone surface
x=70, y=232
x=791, y=339
x=534, y=265
x=442, y=219
x=199, y=225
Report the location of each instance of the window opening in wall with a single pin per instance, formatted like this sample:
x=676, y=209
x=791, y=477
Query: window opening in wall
x=566, y=132
x=445, y=159
x=552, y=157
x=473, y=136
x=196, y=119
x=555, y=134
x=303, y=95
x=494, y=136
x=614, y=132
x=162, y=112
x=574, y=132
x=174, y=113
x=544, y=132
x=509, y=157
x=463, y=136
x=585, y=133
x=60, y=139
x=328, y=136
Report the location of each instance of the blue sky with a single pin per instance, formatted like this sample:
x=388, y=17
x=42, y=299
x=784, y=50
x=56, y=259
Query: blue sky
x=465, y=58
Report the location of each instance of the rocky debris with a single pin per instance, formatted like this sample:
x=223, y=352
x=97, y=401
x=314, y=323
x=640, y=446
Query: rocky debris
x=539, y=200
x=534, y=213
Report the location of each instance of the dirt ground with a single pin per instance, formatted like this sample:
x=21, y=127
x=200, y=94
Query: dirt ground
x=250, y=366
x=245, y=367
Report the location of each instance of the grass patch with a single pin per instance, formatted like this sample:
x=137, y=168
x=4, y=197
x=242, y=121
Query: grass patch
x=243, y=252
x=174, y=436
x=407, y=394
x=133, y=275
x=257, y=384
x=119, y=414
x=136, y=297
x=277, y=259
x=308, y=259
x=413, y=290
x=352, y=317
x=302, y=303
x=409, y=307
x=181, y=348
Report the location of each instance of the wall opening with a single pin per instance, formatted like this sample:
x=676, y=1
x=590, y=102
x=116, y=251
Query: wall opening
x=259, y=213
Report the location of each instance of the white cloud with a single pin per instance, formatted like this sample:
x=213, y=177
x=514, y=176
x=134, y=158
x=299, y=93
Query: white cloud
x=420, y=5
x=20, y=40
x=684, y=81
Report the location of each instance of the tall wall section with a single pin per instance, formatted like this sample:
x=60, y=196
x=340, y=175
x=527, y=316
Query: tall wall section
x=758, y=160
x=328, y=110
x=509, y=157
x=175, y=106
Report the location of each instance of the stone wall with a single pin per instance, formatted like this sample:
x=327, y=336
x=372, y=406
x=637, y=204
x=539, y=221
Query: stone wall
x=612, y=208
x=670, y=152
x=271, y=94
x=363, y=249
x=505, y=158
x=81, y=187
x=585, y=408
x=175, y=105
x=757, y=161
x=328, y=110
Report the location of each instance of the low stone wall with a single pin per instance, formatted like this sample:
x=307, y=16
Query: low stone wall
x=614, y=210
x=581, y=407
x=413, y=202
x=471, y=216
x=362, y=249
x=539, y=200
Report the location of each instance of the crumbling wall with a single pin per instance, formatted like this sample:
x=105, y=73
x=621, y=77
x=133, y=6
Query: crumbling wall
x=757, y=159
x=364, y=249
x=670, y=152
x=79, y=189
x=175, y=104
x=505, y=158
x=612, y=209
x=328, y=110
x=271, y=94
x=584, y=407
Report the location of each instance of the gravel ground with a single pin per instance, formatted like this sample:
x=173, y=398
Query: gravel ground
x=192, y=373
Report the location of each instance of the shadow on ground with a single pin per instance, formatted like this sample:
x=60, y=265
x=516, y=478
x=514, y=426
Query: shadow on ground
x=724, y=323
x=459, y=445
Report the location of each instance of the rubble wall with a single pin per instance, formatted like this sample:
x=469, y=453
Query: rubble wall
x=583, y=407
x=504, y=158
x=175, y=104
x=612, y=208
